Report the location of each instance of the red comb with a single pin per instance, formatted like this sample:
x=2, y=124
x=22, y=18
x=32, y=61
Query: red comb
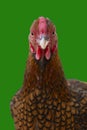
x=42, y=25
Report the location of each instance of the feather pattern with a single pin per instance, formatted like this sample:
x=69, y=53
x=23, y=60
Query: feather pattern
x=47, y=101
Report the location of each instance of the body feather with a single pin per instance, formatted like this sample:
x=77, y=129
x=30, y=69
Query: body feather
x=47, y=101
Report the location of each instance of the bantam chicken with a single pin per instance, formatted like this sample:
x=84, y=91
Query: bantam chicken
x=47, y=101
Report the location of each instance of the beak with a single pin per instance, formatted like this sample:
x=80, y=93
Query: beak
x=43, y=42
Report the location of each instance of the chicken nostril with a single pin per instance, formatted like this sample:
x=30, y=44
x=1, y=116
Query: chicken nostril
x=42, y=31
x=46, y=37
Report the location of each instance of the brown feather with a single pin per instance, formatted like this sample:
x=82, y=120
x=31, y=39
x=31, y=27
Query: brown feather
x=47, y=101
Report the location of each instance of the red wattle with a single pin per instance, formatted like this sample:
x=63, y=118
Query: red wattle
x=47, y=53
x=32, y=48
x=38, y=53
x=54, y=48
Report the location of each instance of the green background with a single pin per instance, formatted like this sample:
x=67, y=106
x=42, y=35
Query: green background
x=70, y=18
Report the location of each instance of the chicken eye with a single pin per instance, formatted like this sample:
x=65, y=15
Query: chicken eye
x=32, y=33
x=53, y=33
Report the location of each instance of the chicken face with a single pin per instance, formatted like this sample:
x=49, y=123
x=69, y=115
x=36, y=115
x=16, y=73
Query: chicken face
x=42, y=38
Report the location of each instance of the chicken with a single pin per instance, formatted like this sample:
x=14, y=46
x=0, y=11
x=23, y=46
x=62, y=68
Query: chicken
x=47, y=101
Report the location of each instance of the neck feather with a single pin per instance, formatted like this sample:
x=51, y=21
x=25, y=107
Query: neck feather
x=51, y=76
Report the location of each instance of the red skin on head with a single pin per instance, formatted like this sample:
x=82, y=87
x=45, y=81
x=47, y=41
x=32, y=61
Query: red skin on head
x=32, y=48
x=43, y=26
